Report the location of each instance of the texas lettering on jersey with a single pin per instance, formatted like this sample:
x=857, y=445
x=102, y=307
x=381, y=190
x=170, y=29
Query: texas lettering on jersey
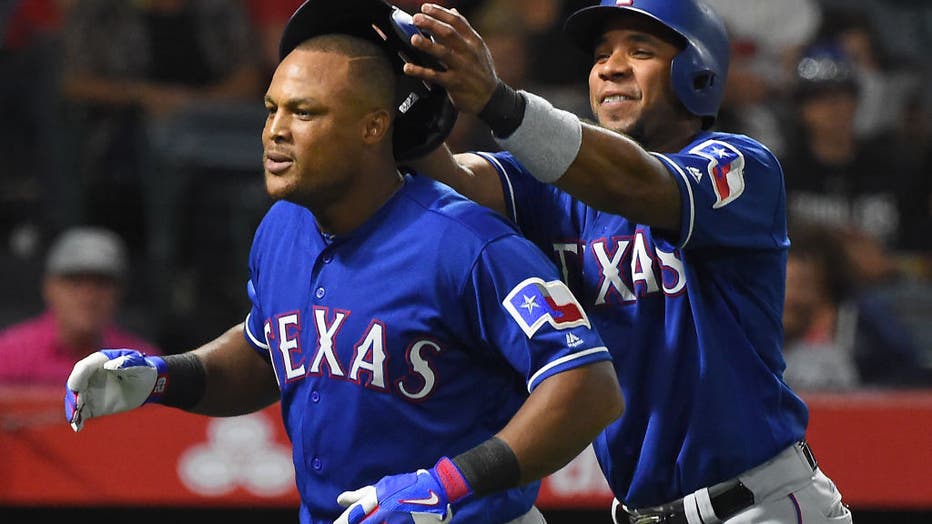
x=629, y=268
x=369, y=365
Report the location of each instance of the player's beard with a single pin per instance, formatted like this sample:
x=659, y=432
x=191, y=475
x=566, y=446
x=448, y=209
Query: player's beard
x=636, y=131
x=631, y=125
x=651, y=128
x=288, y=187
x=278, y=187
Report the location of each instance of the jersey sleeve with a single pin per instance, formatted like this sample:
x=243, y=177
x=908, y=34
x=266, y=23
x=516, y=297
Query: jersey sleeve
x=732, y=194
x=527, y=314
x=254, y=326
x=533, y=206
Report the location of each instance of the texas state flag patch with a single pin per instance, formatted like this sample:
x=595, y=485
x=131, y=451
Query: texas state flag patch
x=726, y=170
x=533, y=303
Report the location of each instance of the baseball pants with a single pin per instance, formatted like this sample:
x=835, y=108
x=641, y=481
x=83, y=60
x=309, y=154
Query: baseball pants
x=788, y=489
x=531, y=517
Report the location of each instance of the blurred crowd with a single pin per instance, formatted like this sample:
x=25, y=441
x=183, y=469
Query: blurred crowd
x=142, y=118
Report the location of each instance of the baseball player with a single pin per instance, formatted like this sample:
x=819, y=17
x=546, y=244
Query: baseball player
x=402, y=327
x=674, y=238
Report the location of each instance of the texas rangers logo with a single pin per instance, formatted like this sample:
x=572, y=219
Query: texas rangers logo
x=533, y=303
x=726, y=169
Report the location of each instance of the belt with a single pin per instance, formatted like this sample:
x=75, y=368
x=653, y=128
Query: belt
x=727, y=500
x=810, y=458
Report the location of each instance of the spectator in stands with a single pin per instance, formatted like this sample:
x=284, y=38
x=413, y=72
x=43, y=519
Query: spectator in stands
x=85, y=273
x=887, y=88
x=902, y=28
x=766, y=39
x=166, y=96
x=894, y=304
x=832, y=175
x=919, y=207
x=526, y=41
x=840, y=333
x=817, y=278
x=152, y=85
x=29, y=31
x=890, y=103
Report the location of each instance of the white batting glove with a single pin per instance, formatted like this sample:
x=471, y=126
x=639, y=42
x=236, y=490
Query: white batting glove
x=112, y=381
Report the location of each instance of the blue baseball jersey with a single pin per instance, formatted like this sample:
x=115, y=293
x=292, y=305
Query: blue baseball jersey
x=693, y=318
x=417, y=335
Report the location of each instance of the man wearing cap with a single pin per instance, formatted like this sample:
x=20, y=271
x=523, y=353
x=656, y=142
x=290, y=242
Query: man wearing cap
x=832, y=175
x=84, y=275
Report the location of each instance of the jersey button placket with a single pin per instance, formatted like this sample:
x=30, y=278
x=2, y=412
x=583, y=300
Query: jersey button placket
x=316, y=464
x=326, y=257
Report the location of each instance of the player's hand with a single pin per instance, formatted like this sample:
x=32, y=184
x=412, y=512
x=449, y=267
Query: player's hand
x=423, y=497
x=111, y=381
x=470, y=77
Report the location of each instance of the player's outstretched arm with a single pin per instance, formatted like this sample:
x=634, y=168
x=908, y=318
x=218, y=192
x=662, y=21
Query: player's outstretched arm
x=238, y=379
x=559, y=419
x=604, y=169
x=224, y=377
x=469, y=174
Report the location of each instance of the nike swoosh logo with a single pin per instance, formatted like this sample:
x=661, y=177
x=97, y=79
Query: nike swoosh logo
x=429, y=501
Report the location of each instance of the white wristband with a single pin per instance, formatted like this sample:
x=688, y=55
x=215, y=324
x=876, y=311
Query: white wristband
x=547, y=141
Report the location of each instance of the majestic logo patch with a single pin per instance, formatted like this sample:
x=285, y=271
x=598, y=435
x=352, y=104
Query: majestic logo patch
x=572, y=340
x=726, y=168
x=695, y=172
x=533, y=303
x=624, y=2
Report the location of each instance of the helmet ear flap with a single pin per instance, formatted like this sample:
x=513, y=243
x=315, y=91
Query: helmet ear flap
x=424, y=120
x=703, y=80
x=698, y=82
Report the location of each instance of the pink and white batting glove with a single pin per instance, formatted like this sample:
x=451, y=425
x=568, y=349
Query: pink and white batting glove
x=423, y=497
x=111, y=381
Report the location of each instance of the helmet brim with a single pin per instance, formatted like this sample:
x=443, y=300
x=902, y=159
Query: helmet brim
x=584, y=27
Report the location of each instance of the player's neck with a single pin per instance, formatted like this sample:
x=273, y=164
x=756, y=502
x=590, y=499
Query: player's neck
x=672, y=138
x=361, y=203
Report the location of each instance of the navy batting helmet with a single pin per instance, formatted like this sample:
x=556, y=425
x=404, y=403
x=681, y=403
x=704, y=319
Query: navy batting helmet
x=698, y=72
x=424, y=115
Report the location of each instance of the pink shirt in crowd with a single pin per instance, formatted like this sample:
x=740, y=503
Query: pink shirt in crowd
x=30, y=353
